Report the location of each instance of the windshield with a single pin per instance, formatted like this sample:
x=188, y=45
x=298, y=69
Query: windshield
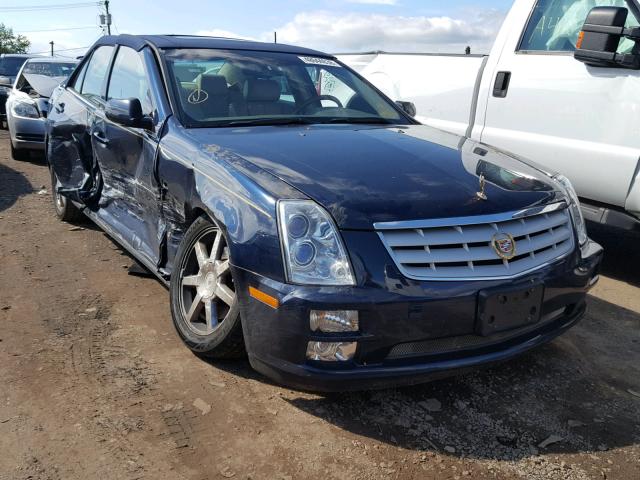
x=49, y=69
x=241, y=87
x=9, y=66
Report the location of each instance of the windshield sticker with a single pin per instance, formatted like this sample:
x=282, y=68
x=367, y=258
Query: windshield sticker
x=319, y=61
x=197, y=96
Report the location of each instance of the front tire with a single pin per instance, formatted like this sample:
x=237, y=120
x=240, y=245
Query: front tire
x=19, y=153
x=64, y=208
x=204, y=304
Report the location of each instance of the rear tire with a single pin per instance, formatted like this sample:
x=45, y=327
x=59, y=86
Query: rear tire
x=19, y=153
x=204, y=304
x=64, y=208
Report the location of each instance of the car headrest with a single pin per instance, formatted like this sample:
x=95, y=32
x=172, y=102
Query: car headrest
x=256, y=90
x=214, y=85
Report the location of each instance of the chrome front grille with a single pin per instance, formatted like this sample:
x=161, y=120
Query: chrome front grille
x=461, y=248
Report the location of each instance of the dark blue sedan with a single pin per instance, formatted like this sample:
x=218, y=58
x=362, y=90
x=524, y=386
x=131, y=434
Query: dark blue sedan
x=300, y=216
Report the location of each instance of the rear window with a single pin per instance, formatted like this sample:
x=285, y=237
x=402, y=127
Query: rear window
x=49, y=69
x=9, y=66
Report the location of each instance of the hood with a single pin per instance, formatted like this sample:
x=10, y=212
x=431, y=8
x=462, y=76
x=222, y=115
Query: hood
x=367, y=174
x=43, y=84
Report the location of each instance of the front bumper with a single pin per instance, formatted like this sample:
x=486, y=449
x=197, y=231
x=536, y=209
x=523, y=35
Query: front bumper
x=27, y=133
x=410, y=332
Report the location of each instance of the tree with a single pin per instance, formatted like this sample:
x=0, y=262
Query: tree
x=10, y=43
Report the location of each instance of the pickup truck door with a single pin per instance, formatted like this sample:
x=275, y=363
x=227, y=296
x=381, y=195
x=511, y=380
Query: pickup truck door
x=548, y=107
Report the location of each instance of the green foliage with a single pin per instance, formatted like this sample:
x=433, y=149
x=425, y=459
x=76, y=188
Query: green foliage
x=10, y=43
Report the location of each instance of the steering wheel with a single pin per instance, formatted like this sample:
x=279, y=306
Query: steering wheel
x=309, y=101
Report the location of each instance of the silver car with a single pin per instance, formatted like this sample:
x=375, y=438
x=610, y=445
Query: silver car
x=28, y=103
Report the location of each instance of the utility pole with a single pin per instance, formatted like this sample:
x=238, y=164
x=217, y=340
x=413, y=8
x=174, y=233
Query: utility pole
x=51, y=43
x=108, y=19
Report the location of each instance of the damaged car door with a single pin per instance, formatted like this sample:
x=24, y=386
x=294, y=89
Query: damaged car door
x=125, y=144
x=68, y=142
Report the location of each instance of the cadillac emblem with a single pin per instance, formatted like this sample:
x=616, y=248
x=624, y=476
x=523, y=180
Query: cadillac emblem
x=504, y=245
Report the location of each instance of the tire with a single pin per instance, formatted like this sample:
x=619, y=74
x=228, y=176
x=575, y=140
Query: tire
x=64, y=208
x=204, y=306
x=19, y=153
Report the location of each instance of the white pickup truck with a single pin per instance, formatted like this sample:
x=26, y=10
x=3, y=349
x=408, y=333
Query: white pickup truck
x=579, y=115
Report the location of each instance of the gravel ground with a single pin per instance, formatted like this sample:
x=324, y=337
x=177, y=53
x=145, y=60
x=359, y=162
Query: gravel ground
x=94, y=383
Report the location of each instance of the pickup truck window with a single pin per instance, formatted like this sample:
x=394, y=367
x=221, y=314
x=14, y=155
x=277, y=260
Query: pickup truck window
x=554, y=24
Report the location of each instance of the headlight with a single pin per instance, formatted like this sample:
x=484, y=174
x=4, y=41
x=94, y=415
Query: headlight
x=24, y=109
x=312, y=248
x=574, y=208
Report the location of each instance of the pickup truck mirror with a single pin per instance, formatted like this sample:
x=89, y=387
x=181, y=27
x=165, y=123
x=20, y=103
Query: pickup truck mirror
x=407, y=107
x=128, y=112
x=600, y=37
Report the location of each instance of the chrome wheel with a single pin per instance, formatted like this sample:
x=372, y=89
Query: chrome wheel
x=59, y=200
x=206, y=285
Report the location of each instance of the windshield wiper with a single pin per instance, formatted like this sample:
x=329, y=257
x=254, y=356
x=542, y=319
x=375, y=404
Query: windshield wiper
x=358, y=120
x=268, y=121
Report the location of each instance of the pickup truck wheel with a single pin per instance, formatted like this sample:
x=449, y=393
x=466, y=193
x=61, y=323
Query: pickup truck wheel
x=204, y=305
x=65, y=209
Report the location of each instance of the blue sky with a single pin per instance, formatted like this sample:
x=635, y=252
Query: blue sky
x=329, y=25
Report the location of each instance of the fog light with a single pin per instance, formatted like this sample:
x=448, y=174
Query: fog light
x=331, y=351
x=334, y=321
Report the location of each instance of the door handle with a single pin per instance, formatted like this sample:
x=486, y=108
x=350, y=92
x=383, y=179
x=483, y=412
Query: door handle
x=501, y=87
x=100, y=138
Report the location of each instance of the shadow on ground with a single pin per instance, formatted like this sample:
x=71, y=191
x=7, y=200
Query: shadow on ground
x=13, y=185
x=580, y=391
x=621, y=252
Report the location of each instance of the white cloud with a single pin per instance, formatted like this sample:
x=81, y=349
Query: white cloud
x=356, y=32
x=332, y=32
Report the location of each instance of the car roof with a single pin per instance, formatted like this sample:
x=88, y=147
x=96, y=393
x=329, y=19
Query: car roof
x=15, y=55
x=51, y=60
x=137, y=42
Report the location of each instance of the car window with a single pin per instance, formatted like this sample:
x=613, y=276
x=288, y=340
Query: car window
x=129, y=79
x=49, y=69
x=217, y=88
x=10, y=66
x=328, y=84
x=77, y=82
x=554, y=25
x=96, y=73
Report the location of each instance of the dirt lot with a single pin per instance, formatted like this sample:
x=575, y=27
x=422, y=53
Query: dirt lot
x=94, y=383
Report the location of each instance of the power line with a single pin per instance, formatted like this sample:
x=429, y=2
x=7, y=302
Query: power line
x=58, y=29
x=62, y=50
x=58, y=6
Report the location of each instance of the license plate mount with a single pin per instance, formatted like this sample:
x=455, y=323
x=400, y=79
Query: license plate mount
x=507, y=309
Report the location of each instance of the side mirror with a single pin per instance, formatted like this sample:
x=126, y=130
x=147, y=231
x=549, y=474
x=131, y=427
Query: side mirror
x=600, y=37
x=128, y=112
x=407, y=107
